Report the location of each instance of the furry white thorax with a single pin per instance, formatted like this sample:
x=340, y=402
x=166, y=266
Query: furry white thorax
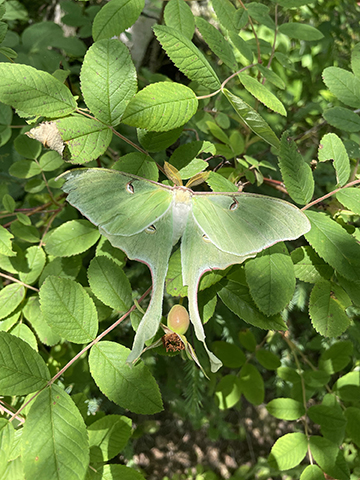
x=181, y=206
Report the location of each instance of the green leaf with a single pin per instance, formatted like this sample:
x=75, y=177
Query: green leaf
x=316, y=378
x=217, y=43
x=334, y=245
x=62, y=267
x=289, y=375
x=241, y=46
x=25, y=168
x=157, y=141
x=139, y=164
x=336, y=357
x=235, y=295
x=355, y=60
x=228, y=392
x=228, y=15
x=23, y=331
x=187, y=57
x=261, y=93
x=332, y=148
x=108, y=436
x=267, y=359
x=272, y=77
x=312, y=472
x=343, y=118
x=308, y=266
x=247, y=339
x=68, y=310
x=9, y=321
x=33, y=314
x=161, y=106
x=5, y=242
x=178, y=14
x=327, y=309
x=35, y=258
x=71, y=238
x=50, y=161
x=184, y=154
x=13, y=264
x=252, y=119
x=230, y=355
x=218, y=183
x=27, y=147
x=55, y=445
x=284, y=61
x=331, y=420
x=285, y=409
x=7, y=434
x=329, y=458
x=133, y=388
x=301, y=31
x=45, y=95
x=207, y=300
x=193, y=168
x=8, y=203
x=217, y=132
x=113, y=471
x=22, y=369
x=350, y=198
x=108, y=80
x=260, y=13
x=271, y=279
x=296, y=173
x=85, y=138
x=109, y=283
x=115, y=17
x=252, y=384
x=288, y=451
x=10, y=297
x=348, y=386
x=24, y=219
x=344, y=85
x=351, y=288
x=352, y=415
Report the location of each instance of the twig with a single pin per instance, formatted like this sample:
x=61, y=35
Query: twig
x=318, y=200
x=18, y=281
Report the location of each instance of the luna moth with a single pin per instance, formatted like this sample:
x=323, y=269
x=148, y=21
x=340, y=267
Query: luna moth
x=146, y=219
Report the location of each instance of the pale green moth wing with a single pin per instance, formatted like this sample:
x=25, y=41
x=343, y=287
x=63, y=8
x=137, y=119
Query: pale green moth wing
x=246, y=223
x=127, y=210
x=153, y=247
x=119, y=203
x=199, y=255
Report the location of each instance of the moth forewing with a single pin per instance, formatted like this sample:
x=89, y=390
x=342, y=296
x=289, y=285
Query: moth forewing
x=119, y=203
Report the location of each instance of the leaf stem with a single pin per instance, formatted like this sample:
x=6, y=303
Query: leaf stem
x=318, y=200
x=226, y=81
x=18, y=281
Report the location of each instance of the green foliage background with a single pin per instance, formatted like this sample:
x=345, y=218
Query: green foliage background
x=265, y=96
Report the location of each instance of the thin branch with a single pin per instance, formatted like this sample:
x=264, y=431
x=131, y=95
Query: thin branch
x=4, y=409
x=19, y=281
x=275, y=35
x=318, y=200
x=52, y=218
